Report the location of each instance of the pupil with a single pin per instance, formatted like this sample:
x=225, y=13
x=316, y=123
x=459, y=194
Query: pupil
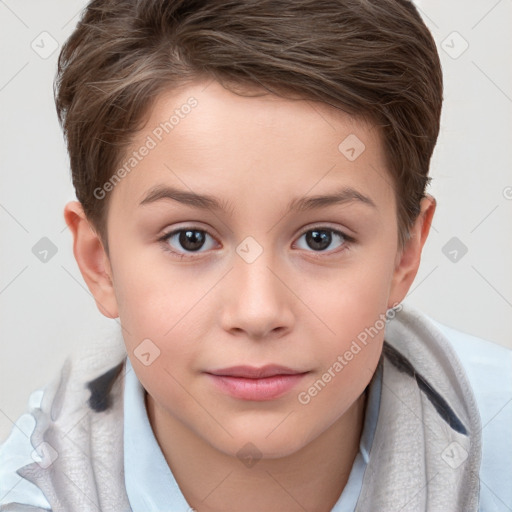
x=191, y=240
x=318, y=240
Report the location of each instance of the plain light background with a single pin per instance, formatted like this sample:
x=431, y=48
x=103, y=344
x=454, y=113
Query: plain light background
x=46, y=310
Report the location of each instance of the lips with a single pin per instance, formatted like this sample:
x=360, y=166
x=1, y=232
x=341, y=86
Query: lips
x=252, y=372
x=256, y=384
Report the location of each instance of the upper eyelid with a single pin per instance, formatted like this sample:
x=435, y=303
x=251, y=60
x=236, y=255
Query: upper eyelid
x=302, y=232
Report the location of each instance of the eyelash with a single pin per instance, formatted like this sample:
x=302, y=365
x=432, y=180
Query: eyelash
x=348, y=241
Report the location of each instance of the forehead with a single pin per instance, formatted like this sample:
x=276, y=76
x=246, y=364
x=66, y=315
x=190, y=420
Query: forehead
x=208, y=139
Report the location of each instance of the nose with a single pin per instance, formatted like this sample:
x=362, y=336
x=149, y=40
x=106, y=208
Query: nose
x=256, y=303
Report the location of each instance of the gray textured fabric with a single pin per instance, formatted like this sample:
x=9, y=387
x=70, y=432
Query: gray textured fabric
x=16, y=507
x=418, y=461
x=88, y=473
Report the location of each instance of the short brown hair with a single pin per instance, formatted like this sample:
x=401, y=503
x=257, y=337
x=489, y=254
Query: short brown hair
x=371, y=58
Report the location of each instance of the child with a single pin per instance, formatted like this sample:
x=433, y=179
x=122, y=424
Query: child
x=270, y=365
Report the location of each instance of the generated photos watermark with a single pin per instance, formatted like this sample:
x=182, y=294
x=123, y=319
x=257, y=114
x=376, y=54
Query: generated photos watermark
x=363, y=338
x=152, y=140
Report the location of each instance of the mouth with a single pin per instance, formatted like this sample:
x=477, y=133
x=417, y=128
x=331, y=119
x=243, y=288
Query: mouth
x=253, y=372
x=258, y=384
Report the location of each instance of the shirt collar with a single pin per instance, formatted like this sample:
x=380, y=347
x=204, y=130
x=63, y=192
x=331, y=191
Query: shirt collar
x=150, y=485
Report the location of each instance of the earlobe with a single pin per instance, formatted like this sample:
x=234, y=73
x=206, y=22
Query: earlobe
x=91, y=259
x=408, y=261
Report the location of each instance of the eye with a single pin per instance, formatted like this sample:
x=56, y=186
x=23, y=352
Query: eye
x=187, y=240
x=322, y=238
x=184, y=242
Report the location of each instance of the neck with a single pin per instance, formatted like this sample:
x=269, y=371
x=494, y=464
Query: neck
x=212, y=481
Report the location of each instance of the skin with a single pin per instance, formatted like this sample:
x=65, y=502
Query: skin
x=294, y=305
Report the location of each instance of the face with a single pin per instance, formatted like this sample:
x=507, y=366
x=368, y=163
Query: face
x=275, y=244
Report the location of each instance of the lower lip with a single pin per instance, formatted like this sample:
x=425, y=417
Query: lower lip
x=267, y=388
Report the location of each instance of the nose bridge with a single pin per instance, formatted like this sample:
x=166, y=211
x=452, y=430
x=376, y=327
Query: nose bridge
x=255, y=299
x=254, y=282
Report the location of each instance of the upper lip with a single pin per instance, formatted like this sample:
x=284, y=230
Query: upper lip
x=253, y=372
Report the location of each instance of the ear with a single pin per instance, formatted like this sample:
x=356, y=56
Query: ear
x=92, y=259
x=408, y=260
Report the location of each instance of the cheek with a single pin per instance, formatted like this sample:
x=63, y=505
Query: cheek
x=159, y=311
x=352, y=298
x=353, y=305
x=154, y=294
x=329, y=395
x=348, y=360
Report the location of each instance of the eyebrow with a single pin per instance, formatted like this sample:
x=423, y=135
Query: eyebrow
x=341, y=196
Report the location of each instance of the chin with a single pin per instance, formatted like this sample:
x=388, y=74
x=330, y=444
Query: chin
x=264, y=441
